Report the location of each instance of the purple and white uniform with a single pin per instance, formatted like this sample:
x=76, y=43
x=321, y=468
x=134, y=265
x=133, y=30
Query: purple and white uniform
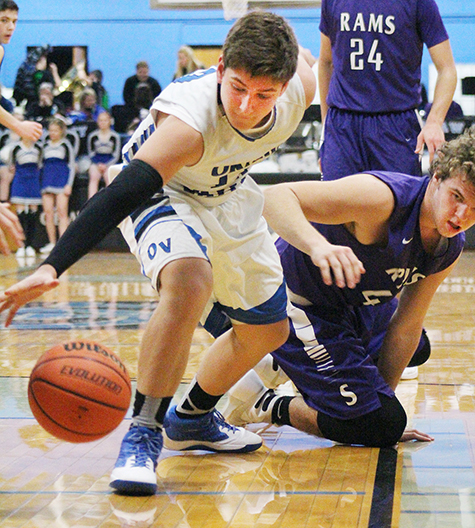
x=374, y=89
x=327, y=353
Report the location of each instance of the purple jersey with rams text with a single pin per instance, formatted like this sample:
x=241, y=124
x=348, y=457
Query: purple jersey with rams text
x=377, y=49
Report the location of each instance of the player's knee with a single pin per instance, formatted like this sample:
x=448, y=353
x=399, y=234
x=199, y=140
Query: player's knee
x=380, y=428
x=191, y=278
x=278, y=335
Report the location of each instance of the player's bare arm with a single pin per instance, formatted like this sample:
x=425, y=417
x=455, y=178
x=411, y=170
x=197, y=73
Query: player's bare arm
x=362, y=202
x=305, y=72
x=25, y=129
x=406, y=325
x=21, y=293
x=432, y=134
x=325, y=70
x=173, y=145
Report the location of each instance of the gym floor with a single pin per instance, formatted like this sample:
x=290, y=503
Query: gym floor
x=293, y=480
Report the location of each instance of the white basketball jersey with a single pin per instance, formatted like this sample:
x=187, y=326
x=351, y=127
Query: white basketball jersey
x=228, y=153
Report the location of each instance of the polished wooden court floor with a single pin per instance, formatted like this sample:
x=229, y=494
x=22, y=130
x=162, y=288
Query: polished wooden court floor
x=294, y=480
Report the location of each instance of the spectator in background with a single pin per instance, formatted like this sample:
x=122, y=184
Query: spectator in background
x=31, y=74
x=57, y=179
x=88, y=110
x=142, y=75
x=25, y=157
x=84, y=121
x=6, y=137
x=95, y=82
x=143, y=99
x=103, y=146
x=47, y=105
x=187, y=62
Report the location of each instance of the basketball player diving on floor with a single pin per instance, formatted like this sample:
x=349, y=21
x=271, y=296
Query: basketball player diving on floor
x=406, y=234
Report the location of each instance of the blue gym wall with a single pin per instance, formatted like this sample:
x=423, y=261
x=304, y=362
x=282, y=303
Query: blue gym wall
x=119, y=33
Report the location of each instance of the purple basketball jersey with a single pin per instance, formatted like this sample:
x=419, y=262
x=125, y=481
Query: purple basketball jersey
x=377, y=51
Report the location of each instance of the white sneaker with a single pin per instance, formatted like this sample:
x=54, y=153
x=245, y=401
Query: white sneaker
x=249, y=401
x=30, y=252
x=46, y=250
x=134, y=471
x=270, y=372
x=410, y=373
x=208, y=432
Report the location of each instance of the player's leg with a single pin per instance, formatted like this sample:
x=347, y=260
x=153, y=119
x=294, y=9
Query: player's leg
x=6, y=177
x=338, y=382
x=172, y=246
x=251, y=402
x=194, y=424
x=185, y=285
x=341, y=153
x=176, y=264
x=249, y=290
x=390, y=142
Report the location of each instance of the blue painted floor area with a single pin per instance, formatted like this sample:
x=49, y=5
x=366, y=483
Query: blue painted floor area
x=438, y=486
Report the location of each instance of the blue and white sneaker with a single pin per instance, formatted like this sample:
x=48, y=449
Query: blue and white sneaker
x=134, y=472
x=209, y=432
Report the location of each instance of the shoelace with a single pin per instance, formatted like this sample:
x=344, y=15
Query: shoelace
x=145, y=445
x=221, y=422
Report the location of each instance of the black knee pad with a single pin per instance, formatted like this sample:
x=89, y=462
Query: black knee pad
x=380, y=428
x=422, y=354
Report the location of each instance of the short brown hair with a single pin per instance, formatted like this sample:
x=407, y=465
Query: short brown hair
x=456, y=157
x=264, y=45
x=8, y=5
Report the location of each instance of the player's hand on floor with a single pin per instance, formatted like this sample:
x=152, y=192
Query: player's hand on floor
x=41, y=281
x=9, y=225
x=414, y=434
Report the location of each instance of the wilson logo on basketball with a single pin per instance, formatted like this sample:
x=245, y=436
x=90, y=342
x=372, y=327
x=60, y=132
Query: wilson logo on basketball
x=93, y=347
x=92, y=377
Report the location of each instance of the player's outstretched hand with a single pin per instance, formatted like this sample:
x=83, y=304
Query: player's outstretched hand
x=9, y=225
x=414, y=434
x=41, y=281
x=338, y=264
x=30, y=130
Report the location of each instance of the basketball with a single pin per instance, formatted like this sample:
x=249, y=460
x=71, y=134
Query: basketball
x=79, y=391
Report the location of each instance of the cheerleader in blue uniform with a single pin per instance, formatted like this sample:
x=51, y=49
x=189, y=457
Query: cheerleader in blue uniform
x=103, y=146
x=57, y=180
x=25, y=158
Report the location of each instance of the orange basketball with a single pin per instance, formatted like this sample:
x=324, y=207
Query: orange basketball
x=79, y=391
